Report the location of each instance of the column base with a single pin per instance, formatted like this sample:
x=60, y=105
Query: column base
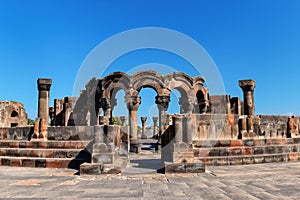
x=135, y=147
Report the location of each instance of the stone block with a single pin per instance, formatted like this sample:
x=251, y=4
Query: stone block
x=107, y=158
x=236, y=143
x=53, y=164
x=248, y=151
x=221, y=161
x=236, y=151
x=184, y=168
x=35, y=153
x=293, y=156
x=278, y=158
x=47, y=153
x=15, y=162
x=269, y=158
x=40, y=163
x=248, y=160
x=28, y=144
x=259, y=142
x=2, y=152
x=223, y=143
x=5, y=162
x=103, y=148
x=28, y=163
x=259, y=159
x=258, y=150
x=214, y=152
x=235, y=160
x=59, y=154
x=186, y=157
x=91, y=169
x=270, y=150
x=294, y=148
x=248, y=142
x=14, y=144
x=22, y=144
x=180, y=147
x=99, y=134
x=224, y=151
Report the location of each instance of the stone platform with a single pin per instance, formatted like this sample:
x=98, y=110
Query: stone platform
x=49, y=154
x=249, y=151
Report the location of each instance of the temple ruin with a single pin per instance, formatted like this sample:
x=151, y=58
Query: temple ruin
x=209, y=130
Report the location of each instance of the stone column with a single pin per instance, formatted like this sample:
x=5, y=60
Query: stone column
x=43, y=101
x=43, y=107
x=186, y=105
x=123, y=120
x=133, y=103
x=248, y=90
x=177, y=121
x=52, y=115
x=154, y=126
x=163, y=104
x=144, y=119
x=106, y=106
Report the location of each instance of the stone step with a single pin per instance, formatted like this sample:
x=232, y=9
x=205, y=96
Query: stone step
x=248, y=159
x=51, y=144
x=41, y=162
x=245, y=150
x=44, y=153
x=245, y=142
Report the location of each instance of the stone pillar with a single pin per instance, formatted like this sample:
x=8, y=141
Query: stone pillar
x=186, y=105
x=248, y=90
x=163, y=104
x=177, y=122
x=52, y=116
x=123, y=120
x=133, y=101
x=106, y=106
x=144, y=119
x=43, y=106
x=154, y=126
x=43, y=99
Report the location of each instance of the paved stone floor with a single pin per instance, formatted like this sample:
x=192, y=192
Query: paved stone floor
x=262, y=181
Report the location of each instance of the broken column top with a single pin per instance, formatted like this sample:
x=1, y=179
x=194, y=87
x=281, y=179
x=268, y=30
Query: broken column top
x=44, y=83
x=247, y=84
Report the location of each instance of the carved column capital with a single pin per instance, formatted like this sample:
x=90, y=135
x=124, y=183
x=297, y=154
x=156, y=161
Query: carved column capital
x=44, y=84
x=247, y=85
x=154, y=120
x=133, y=102
x=163, y=101
x=105, y=103
x=143, y=119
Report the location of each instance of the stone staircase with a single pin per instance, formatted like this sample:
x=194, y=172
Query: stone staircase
x=49, y=154
x=247, y=151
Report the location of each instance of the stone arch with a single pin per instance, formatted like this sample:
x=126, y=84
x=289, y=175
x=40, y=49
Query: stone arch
x=114, y=82
x=150, y=79
x=184, y=84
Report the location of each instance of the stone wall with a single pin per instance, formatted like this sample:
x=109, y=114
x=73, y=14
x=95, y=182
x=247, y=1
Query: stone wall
x=16, y=133
x=12, y=114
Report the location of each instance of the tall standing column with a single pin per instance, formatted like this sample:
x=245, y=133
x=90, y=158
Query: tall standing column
x=248, y=90
x=144, y=119
x=154, y=126
x=163, y=104
x=43, y=107
x=133, y=103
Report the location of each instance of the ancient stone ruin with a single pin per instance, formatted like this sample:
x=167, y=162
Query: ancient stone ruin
x=210, y=130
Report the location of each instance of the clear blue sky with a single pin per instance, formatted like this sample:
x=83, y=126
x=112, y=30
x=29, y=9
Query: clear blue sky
x=246, y=39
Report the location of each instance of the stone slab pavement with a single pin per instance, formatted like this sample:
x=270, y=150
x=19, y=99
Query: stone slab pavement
x=261, y=181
